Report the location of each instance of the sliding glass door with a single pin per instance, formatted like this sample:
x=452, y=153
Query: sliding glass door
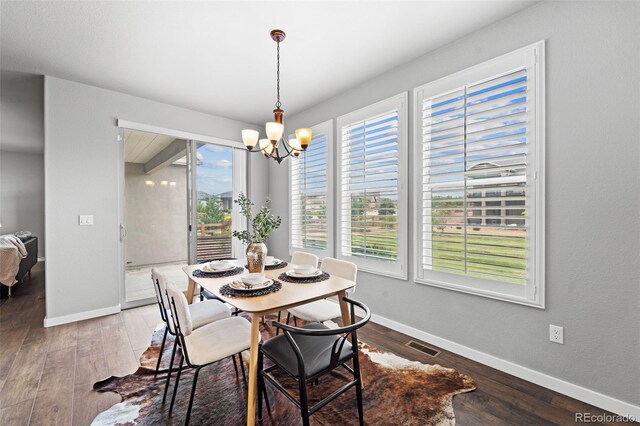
x=177, y=208
x=217, y=183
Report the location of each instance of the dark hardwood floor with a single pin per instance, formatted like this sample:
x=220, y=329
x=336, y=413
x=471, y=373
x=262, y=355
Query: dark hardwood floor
x=46, y=375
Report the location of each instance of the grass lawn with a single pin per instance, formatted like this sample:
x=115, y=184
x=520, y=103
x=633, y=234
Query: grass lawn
x=499, y=257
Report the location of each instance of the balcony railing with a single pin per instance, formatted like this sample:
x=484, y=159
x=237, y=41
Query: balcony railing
x=214, y=241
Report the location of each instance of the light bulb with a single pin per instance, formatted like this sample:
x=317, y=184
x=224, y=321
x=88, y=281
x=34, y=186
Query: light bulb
x=295, y=144
x=304, y=136
x=274, y=130
x=250, y=137
x=266, y=147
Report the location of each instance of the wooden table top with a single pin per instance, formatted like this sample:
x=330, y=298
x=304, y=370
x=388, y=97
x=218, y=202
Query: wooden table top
x=291, y=294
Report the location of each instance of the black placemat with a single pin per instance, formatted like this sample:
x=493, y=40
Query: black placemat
x=272, y=267
x=227, y=290
x=199, y=273
x=322, y=277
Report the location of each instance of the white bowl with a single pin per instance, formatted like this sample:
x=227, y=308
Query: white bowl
x=254, y=278
x=219, y=264
x=304, y=269
x=269, y=260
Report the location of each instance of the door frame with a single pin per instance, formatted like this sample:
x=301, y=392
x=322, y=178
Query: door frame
x=192, y=140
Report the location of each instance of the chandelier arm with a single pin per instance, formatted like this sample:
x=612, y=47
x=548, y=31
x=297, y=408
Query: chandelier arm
x=289, y=153
x=285, y=143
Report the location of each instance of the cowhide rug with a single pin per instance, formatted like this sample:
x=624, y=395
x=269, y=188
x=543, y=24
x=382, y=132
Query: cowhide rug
x=396, y=391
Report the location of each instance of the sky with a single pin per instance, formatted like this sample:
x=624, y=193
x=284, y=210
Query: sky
x=214, y=174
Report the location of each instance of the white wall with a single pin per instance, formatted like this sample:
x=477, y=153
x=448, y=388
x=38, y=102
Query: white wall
x=593, y=200
x=21, y=154
x=81, y=176
x=156, y=216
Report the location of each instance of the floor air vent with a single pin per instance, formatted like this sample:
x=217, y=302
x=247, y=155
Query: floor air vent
x=422, y=348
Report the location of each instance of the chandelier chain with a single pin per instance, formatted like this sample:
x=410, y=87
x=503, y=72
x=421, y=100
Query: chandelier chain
x=278, y=103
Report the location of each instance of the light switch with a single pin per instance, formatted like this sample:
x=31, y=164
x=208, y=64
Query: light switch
x=85, y=220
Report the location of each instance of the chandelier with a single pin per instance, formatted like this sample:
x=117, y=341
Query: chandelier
x=276, y=136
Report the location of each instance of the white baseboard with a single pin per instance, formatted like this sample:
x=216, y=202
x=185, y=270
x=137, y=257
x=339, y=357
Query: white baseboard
x=41, y=259
x=574, y=391
x=65, y=319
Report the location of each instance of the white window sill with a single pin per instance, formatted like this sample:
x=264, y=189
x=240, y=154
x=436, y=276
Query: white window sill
x=538, y=303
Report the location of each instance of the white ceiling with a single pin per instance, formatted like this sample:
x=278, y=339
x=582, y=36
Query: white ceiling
x=217, y=57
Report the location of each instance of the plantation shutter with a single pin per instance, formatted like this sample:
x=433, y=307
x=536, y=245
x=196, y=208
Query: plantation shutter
x=370, y=188
x=475, y=154
x=309, y=197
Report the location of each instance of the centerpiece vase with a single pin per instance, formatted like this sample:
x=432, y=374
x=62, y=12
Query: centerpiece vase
x=256, y=256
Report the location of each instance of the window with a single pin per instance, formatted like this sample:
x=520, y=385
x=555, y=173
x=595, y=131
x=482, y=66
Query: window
x=480, y=203
x=311, y=202
x=372, y=197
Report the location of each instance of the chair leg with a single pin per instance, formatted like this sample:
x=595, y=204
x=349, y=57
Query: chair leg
x=356, y=372
x=175, y=387
x=244, y=375
x=235, y=366
x=295, y=321
x=166, y=386
x=266, y=397
x=288, y=317
x=304, y=403
x=164, y=339
x=262, y=388
x=193, y=392
x=279, y=316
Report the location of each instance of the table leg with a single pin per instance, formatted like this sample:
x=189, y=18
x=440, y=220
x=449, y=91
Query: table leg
x=253, y=370
x=191, y=289
x=344, y=308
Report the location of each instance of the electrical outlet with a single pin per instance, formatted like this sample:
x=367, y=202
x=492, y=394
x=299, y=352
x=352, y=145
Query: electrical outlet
x=556, y=334
x=85, y=220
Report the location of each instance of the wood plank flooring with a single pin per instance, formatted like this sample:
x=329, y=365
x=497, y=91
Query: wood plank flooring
x=46, y=374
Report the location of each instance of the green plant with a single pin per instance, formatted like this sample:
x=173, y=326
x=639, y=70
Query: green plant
x=260, y=226
x=387, y=207
x=210, y=211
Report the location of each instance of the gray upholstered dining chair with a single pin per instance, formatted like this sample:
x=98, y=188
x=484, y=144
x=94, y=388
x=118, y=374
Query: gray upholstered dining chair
x=324, y=310
x=205, y=345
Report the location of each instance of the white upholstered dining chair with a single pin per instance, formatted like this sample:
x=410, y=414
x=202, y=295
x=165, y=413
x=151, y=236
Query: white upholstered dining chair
x=201, y=313
x=299, y=258
x=207, y=344
x=324, y=310
x=302, y=258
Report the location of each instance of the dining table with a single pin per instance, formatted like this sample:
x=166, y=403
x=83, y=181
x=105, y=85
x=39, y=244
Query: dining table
x=290, y=294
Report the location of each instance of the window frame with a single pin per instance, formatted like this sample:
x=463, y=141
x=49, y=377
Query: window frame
x=398, y=269
x=531, y=56
x=325, y=128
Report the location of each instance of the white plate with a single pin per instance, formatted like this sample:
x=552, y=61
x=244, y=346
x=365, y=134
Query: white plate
x=294, y=274
x=238, y=285
x=208, y=268
x=275, y=262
